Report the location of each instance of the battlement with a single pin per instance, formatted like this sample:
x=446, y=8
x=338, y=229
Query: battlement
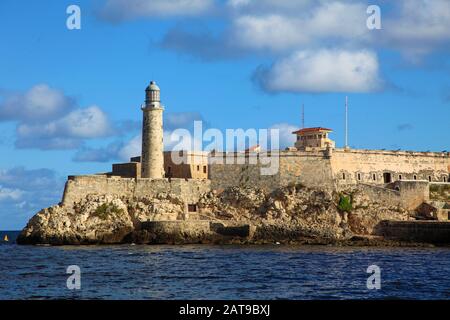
x=317, y=152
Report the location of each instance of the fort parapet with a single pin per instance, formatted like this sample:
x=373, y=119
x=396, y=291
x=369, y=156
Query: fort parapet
x=77, y=187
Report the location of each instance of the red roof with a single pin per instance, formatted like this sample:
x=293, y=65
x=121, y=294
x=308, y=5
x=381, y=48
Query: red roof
x=315, y=129
x=253, y=148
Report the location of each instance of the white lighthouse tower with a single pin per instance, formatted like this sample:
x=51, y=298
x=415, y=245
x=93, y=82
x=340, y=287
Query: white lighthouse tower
x=152, y=158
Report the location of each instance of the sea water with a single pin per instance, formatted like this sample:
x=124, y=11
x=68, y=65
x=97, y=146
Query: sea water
x=222, y=272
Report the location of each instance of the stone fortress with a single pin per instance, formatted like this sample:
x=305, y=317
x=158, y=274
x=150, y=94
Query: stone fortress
x=403, y=177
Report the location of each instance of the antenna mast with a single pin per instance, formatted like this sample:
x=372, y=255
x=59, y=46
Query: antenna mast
x=303, y=116
x=346, y=121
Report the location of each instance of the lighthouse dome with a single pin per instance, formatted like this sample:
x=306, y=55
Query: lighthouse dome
x=152, y=93
x=152, y=86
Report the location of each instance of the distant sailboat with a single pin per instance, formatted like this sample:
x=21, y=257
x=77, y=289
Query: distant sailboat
x=6, y=238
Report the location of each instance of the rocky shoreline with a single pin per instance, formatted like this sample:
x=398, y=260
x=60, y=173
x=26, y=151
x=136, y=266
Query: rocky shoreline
x=238, y=215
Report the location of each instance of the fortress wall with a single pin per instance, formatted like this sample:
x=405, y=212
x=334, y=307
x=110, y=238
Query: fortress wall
x=314, y=169
x=190, y=190
x=77, y=187
x=407, y=194
x=224, y=175
x=369, y=162
x=381, y=194
x=308, y=168
x=412, y=193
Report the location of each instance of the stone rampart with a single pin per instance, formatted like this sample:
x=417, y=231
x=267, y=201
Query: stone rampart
x=77, y=187
x=240, y=170
x=406, y=194
x=311, y=169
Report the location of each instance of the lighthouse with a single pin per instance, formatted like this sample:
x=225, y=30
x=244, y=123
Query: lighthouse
x=152, y=158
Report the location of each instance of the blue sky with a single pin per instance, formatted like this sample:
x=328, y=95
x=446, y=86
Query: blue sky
x=69, y=99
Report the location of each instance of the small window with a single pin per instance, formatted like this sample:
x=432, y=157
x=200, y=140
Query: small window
x=192, y=207
x=374, y=177
x=415, y=177
x=198, y=168
x=399, y=177
x=445, y=179
x=359, y=176
x=343, y=176
x=429, y=178
x=204, y=169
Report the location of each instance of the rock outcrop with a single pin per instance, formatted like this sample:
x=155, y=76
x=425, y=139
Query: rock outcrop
x=290, y=214
x=297, y=213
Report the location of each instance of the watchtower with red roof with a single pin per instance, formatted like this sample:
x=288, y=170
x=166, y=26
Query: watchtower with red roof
x=313, y=138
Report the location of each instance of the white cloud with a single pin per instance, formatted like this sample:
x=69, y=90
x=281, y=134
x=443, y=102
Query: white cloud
x=119, y=10
x=268, y=5
x=90, y=122
x=341, y=20
x=132, y=148
x=326, y=22
x=413, y=27
x=23, y=192
x=322, y=71
x=287, y=139
x=40, y=102
x=10, y=194
x=273, y=32
x=418, y=27
x=47, y=119
x=64, y=133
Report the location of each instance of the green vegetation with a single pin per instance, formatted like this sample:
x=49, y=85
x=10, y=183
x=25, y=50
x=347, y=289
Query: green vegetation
x=345, y=204
x=105, y=210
